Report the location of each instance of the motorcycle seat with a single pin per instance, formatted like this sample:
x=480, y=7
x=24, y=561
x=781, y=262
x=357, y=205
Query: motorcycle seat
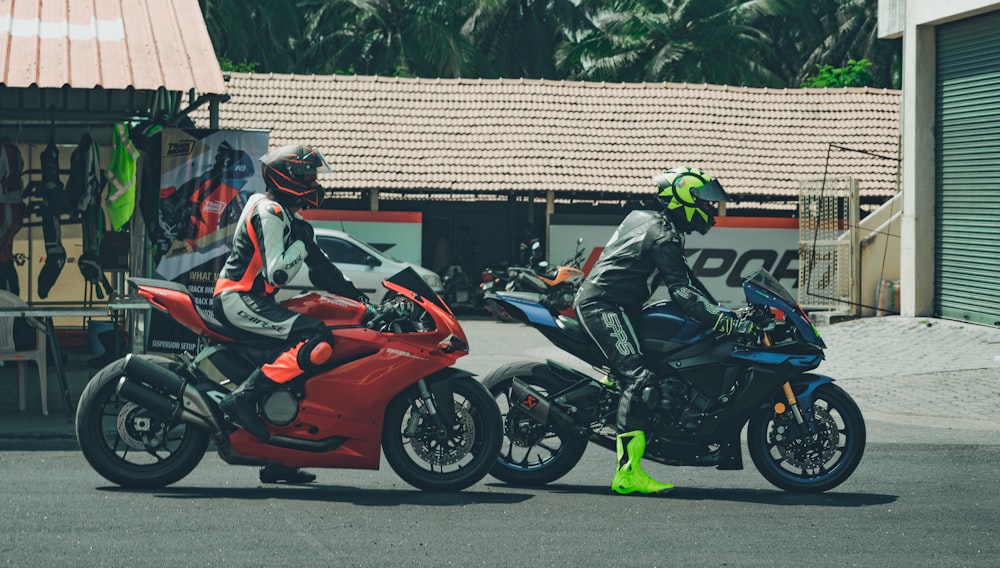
x=572, y=328
x=207, y=318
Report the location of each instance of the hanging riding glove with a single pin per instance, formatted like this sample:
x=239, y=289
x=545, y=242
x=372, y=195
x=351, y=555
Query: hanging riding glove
x=742, y=329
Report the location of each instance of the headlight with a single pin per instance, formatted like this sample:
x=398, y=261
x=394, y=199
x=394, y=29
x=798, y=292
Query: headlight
x=433, y=280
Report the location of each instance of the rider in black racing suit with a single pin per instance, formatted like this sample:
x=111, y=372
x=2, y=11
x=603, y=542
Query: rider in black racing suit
x=649, y=244
x=269, y=247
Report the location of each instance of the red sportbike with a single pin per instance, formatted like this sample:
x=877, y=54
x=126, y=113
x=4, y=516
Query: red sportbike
x=145, y=421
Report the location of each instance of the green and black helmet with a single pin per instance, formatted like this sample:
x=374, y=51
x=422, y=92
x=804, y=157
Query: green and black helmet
x=689, y=195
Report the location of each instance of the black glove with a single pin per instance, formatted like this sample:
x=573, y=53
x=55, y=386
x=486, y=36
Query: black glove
x=742, y=329
x=302, y=231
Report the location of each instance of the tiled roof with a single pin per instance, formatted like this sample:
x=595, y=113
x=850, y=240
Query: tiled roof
x=496, y=136
x=114, y=44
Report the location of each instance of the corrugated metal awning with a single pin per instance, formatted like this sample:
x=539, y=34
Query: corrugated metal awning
x=112, y=44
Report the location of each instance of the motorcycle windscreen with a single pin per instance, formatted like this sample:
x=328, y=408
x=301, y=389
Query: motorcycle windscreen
x=762, y=288
x=409, y=279
x=763, y=280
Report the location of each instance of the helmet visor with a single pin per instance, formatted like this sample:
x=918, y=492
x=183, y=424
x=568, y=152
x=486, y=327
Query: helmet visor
x=311, y=163
x=711, y=191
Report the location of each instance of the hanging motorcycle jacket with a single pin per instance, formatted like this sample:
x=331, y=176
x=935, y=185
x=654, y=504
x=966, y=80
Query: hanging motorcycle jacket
x=11, y=211
x=51, y=187
x=120, y=201
x=85, y=178
x=644, y=249
x=84, y=186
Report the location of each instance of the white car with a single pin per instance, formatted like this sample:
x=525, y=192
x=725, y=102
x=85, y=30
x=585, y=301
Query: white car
x=365, y=265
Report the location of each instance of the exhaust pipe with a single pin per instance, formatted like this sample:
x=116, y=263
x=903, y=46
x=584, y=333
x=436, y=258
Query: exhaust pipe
x=187, y=406
x=155, y=375
x=534, y=404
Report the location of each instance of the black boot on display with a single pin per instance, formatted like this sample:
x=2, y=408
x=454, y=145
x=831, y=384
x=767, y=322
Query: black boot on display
x=283, y=474
x=241, y=404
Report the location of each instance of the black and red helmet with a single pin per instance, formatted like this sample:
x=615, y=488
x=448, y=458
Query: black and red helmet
x=290, y=172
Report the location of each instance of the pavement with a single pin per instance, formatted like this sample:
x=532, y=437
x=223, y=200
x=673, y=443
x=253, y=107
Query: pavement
x=921, y=380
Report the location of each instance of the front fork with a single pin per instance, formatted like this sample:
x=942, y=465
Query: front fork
x=792, y=403
x=443, y=420
x=805, y=428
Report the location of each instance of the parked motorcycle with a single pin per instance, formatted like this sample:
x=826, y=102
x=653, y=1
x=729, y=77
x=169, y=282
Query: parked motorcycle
x=460, y=291
x=805, y=434
x=557, y=285
x=493, y=280
x=145, y=421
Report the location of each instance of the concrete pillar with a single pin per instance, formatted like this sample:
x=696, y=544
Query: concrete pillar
x=916, y=296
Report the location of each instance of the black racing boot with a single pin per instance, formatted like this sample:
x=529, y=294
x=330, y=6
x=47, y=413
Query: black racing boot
x=240, y=405
x=284, y=474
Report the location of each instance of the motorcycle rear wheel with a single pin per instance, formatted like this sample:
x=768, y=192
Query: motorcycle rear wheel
x=811, y=464
x=428, y=460
x=128, y=445
x=532, y=454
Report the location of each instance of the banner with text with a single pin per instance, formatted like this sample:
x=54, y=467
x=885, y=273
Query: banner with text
x=206, y=178
x=733, y=248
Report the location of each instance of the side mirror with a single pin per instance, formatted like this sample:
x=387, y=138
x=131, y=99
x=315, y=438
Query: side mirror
x=372, y=261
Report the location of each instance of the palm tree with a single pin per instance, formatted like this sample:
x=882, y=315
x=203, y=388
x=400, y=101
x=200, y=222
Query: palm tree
x=260, y=32
x=711, y=41
x=391, y=37
x=845, y=30
x=519, y=37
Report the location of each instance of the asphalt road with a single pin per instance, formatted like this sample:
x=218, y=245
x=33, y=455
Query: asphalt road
x=907, y=505
x=922, y=496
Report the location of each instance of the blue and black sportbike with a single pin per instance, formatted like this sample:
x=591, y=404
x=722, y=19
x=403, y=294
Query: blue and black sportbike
x=804, y=433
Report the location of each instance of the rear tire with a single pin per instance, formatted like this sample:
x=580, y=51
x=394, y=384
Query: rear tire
x=431, y=461
x=531, y=454
x=816, y=463
x=129, y=445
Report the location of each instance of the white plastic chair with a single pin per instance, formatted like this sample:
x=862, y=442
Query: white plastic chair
x=8, y=351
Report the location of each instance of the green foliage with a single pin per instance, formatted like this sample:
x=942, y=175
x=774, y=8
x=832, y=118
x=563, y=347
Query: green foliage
x=754, y=43
x=241, y=67
x=855, y=74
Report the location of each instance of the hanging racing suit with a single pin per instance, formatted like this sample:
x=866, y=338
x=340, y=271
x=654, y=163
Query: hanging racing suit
x=265, y=256
x=11, y=212
x=53, y=203
x=644, y=249
x=84, y=186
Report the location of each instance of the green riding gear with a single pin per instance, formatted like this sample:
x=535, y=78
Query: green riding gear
x=629, y=475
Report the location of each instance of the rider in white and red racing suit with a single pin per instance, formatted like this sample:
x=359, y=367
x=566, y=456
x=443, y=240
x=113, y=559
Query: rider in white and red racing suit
x=269, y=247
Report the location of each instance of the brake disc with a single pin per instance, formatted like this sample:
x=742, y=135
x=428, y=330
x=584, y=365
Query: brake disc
x=523, y=431
x=808, y=452
x=139, y=431
x=449, y=449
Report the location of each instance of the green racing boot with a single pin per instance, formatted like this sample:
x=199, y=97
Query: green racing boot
x=629, y=476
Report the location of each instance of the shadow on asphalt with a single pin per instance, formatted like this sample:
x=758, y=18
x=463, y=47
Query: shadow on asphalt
x=760, y=496
x=334, y=494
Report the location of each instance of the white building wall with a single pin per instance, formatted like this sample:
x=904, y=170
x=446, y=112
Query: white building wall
x=915, y=20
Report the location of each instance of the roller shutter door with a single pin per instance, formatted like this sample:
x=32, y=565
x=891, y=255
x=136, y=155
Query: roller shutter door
x=967, y=238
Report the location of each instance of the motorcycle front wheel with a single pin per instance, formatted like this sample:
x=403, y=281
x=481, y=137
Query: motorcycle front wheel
x=433, y=458
x=532, y=454
x=127, y=444
x=810, y=462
